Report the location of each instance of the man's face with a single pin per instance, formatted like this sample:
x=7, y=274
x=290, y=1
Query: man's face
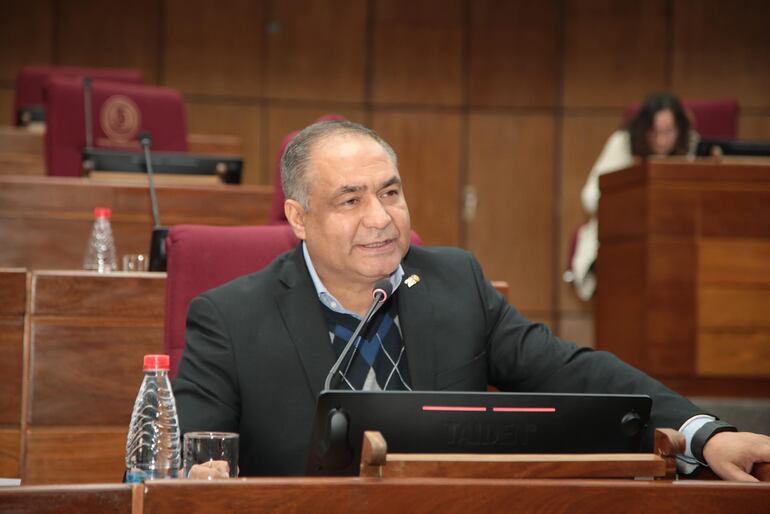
x=357, y=228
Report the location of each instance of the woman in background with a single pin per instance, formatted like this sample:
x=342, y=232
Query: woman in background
x=661, y=127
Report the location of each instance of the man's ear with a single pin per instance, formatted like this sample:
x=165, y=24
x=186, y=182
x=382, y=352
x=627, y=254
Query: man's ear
x=295, y=214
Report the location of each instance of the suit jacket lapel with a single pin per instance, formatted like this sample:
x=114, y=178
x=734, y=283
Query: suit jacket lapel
x=304, y=321
x=416, y=313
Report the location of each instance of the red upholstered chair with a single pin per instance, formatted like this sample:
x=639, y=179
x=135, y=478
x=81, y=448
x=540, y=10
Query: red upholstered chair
x=277, y=214
x=120, y=112
x=713, y=117
x=31, y=82
x=202, y=257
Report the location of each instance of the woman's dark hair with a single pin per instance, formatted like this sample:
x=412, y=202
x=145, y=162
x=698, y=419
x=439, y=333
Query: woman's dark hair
x=642, y=122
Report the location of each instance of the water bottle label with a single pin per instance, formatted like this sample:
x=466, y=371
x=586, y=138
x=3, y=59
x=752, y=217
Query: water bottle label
x=135, y=477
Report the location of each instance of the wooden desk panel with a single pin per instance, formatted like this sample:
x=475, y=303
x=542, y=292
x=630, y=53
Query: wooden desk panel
x=89, y=499
x=91, y=294
x=449, y=496
x=88, y=333
x=10, y=452
x=13, y=301
x=22, y=151
x=683, y=285
x=45, y=222
x=75, y=455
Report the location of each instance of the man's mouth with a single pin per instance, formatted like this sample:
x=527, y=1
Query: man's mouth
x=378, y=244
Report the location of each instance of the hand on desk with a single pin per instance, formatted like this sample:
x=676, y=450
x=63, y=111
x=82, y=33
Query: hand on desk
x=731, y=455
x=210, y=470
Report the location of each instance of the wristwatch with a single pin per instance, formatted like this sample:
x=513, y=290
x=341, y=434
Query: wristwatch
x=706, y=432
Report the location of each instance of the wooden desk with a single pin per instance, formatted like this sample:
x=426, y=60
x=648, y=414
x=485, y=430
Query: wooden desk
x=45, y=222
x=22, y=151
x=386, y=496
x=68, y=499
x=684, y=273
x=70, y=379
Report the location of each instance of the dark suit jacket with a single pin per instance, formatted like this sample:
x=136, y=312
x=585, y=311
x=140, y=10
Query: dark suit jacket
x=258, y=351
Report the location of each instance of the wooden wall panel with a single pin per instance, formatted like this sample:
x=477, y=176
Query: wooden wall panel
x=86, y=454
x=428, y=149
x=10, y=449
x=212, y=50
x=26, y=31
x=316, y=50
x=514, y=58
x=7, y=115
x=281, y=121
x=754, y=127
x=615, y=51
x=108, y=34
x=722, y=49
x=242, y=120
x=583, y=138
x=512, y=231
x=417, y=58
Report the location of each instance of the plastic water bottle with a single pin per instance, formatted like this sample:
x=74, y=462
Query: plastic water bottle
x=152, y=446
x=100, y=253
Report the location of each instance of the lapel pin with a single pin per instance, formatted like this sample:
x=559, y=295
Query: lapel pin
x=412, y=280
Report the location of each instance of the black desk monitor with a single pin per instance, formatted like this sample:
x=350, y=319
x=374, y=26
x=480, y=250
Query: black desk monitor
x=472, y=422
x=707, y=147
x=229, y=167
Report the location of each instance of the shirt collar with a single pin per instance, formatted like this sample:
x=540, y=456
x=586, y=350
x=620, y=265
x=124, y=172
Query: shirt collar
x=328, y=299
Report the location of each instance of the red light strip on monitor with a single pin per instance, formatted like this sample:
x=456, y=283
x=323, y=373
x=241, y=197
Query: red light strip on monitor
x=449, y=408
x=523, y=409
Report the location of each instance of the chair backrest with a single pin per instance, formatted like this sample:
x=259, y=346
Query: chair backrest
x=713, y=117
x=31, y=82
x=277, y=214
x=201, y=257
x=119, y=113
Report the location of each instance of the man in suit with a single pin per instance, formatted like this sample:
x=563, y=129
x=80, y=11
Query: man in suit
x=259, y=348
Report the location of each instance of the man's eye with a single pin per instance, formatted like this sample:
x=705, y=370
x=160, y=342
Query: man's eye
x=350, y=201
x=390, y=192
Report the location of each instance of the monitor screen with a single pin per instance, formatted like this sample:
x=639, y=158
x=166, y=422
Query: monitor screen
x=472, y=422
x=712, y=146
x=229, y=167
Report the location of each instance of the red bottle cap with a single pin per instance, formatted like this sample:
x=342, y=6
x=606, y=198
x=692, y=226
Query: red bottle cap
x=103, y=212
x=156, y=362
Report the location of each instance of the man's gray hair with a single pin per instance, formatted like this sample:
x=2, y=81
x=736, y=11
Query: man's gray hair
x=296, y=158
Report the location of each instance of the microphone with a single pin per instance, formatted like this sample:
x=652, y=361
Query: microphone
x=381, y=292
x=159, y=233
x=87, y=110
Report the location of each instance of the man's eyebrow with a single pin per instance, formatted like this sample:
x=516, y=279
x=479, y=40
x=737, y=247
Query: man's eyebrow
x=392, y=181
x=343, y=190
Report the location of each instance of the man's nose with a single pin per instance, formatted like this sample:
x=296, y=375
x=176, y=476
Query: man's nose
x=375, y=215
